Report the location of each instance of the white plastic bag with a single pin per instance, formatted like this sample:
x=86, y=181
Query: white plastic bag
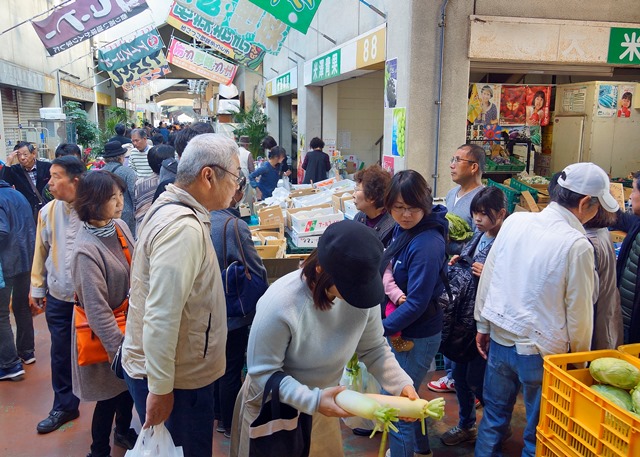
x=359, y=380
x=155, y=441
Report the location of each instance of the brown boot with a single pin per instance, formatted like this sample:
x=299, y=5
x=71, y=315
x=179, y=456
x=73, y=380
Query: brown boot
x=401, y=345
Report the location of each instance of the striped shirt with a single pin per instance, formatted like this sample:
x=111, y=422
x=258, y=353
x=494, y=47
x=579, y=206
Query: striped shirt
x=138, y=162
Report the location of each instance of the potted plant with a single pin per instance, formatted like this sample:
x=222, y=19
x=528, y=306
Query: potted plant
x=253, y=123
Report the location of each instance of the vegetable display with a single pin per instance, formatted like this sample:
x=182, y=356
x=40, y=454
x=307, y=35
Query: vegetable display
x=615, y=395
x=384, y=410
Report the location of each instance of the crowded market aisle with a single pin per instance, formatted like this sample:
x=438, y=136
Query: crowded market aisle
x=24, y=403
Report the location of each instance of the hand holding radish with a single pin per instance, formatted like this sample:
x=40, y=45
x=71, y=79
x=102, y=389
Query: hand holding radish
x=328, y=406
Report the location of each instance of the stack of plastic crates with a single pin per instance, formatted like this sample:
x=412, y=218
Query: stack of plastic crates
x=513, y=195
x=575, y=421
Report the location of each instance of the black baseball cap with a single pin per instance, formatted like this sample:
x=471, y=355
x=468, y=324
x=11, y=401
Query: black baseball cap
x=351, y=253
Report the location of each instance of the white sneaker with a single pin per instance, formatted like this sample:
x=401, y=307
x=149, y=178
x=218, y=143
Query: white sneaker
x=444, y=384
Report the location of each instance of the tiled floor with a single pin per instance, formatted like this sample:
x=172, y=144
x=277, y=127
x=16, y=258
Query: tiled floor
x=24, y=403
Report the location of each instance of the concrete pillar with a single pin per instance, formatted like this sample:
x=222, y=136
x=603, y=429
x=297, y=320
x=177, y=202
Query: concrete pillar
x=284, y=130
x=309, y=113
x=330, y=113
x=273, y=115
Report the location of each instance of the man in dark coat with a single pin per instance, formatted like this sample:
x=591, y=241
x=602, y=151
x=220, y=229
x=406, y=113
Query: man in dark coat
x=29, y=176
x=120, y=129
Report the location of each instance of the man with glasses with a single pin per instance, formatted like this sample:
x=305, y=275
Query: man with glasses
x=29, y=176
x=535, y=298
x=174, y=347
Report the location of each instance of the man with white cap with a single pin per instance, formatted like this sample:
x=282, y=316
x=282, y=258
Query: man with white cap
x=535, y=298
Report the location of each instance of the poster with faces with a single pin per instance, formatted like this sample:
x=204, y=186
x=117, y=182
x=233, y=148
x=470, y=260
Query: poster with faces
x=625, y=100
x=538, y=101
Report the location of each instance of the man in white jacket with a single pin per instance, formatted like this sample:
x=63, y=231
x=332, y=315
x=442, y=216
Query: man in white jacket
x=535, y=298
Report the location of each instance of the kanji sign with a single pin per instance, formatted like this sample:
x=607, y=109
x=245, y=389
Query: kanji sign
x=326, y=67
x=221, y=39
x=296, y=13
x=243, y=18
x=124, y=52
x=285, y=82
x=78, y=21
x=200, y=62
x=125, y=76
x=624, y=46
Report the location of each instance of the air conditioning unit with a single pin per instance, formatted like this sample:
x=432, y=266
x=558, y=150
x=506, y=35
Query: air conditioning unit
x=55, y=114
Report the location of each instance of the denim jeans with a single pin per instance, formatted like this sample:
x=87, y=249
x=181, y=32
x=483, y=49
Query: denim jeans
x=227, y=387
x=416, y=363
x=449, y=366
x=469, y=377
x=10, y=351
x=506, y=372
x=191, y=420
x=59, y=315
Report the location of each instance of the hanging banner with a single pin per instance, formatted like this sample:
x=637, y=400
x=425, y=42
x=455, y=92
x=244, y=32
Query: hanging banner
x=78, y=21
x=513, y=105
x=295, y=13
x=137, y=70
x=221, y=39
x=146, y=78
x=124, y=52
x=200, y=62
x=538, y=102
x=245, y=19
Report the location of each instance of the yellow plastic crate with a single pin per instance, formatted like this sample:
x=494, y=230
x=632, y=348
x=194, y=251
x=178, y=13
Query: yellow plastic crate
x=631, y=349
x=574, y=417
x=547, y=448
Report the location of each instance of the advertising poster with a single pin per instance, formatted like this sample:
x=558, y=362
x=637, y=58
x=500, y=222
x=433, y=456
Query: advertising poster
x=398, y=133
x=538, y=101
x=123, y=52
x=388, y=164
x=201, y=62
x=221, y=39
x=78, y=21
x=607, y=100
x=390, y=83
x=153, y=64
x=626, y=100
x=513, y=105
x=484, y=100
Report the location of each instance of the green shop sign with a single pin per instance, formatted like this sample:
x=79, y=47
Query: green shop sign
x=325, y=67
x=624, y=46
x=295, y=13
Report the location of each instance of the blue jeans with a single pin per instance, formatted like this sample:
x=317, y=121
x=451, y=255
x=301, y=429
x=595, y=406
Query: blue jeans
x=449, y=366
x=416, y=363
x=506, y=372
x=191, y=420
x=59, y=315
x=18, y=286
x=469, y=377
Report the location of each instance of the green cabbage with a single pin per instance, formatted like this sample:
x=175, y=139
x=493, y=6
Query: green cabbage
x=635, y=398
x=615, y=372
x=459, y=230
x=615, y=395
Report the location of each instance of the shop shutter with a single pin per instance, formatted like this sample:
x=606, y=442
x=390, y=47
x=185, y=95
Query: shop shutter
x=10, y=116
x=29, y=104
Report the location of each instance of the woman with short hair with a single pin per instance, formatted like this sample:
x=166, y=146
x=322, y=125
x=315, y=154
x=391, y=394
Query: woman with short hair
x=371, y=185
x=100, y=270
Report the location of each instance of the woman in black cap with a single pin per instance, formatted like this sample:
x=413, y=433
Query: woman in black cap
x=308, y=325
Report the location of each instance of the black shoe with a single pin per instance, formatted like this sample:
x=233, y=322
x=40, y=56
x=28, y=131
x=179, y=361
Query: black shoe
x=55, y=420
x=362, y=432
x=125, y=440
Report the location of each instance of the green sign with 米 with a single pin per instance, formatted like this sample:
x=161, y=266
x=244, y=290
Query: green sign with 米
x=325, y=67
x=295, y=13
x=624, y=46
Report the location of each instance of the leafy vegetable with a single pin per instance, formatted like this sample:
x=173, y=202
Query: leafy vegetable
x=615, y=372
x=615, y=395
x=459, y=230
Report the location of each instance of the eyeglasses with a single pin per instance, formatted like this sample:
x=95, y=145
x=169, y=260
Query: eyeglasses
x=404, y=209
x=241, y=181
x=459, y=159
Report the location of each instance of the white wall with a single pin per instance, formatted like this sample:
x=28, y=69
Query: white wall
x=361, y=115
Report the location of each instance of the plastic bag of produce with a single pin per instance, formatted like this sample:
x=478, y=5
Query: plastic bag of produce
x=615, y=372
x=615, y=395
x=356, y=377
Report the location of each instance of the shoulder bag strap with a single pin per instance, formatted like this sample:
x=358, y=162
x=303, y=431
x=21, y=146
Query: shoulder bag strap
x=240, y=248
x=33, y=188
x=273, y=387
x=224, y=242
x=116, y=167
x=124, y=244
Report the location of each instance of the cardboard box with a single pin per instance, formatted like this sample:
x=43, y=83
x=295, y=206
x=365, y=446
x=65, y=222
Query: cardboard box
x=271, y=215
x=311, y=199
x=266, y=235
x=340, y=198
x=302, y=192
x=617, y=191
x=304, y=241
x=351, y=167
x=526, y=199
x=315, y=222
x=291, y=211
x=617, y=236
x=273, y=249
x=277, y=268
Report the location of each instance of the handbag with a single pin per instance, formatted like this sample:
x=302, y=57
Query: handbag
x=242, y=289
x=89, y=346
x=279, y=429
